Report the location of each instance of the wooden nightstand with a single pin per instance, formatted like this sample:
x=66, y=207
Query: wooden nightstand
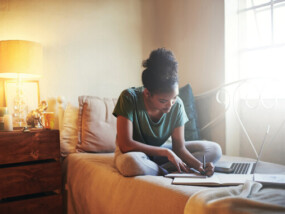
x=30, y=172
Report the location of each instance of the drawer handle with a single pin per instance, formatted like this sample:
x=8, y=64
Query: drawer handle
x=35, y=154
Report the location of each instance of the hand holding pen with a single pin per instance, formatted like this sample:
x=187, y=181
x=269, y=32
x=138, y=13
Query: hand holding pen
x=203, y=172
x=207, y=168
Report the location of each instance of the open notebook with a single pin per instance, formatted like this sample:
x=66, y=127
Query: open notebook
x=215, y=180
x=231, y=179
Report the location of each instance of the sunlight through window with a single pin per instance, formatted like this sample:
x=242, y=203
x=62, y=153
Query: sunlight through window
x=260, y=41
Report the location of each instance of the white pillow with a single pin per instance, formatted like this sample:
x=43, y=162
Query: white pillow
x=69, y=132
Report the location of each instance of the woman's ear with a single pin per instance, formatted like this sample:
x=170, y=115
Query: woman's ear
x=147, y=92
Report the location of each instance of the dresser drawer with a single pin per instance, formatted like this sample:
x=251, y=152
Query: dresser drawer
x=28, y=146
x=41, y=205
x=29, y=179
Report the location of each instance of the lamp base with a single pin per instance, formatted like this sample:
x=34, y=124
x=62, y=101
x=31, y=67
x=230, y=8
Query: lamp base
x=19, y=122
x=20, y=108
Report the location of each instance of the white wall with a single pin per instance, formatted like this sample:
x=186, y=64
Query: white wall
x=96, y=46
x=194, y=30
x=90, y=47
x=256, y=121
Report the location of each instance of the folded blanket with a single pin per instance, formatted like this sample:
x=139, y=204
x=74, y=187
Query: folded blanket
x=247, y=198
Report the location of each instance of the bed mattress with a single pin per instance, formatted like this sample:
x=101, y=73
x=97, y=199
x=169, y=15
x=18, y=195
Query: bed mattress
x=93, y=185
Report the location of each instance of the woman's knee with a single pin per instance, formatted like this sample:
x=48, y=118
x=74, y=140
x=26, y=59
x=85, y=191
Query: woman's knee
x=211, y=150
x=127, y=164
x=216, y=152
x=134, y=164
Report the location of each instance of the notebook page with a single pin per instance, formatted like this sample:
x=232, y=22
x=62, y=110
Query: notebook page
x=185, y=175
x=213, y=180
x=270, y=178
x=234, y=178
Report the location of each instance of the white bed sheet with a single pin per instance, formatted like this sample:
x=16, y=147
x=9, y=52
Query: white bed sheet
x=95, y=186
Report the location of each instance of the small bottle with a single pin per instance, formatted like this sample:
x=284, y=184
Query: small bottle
x=8, y=122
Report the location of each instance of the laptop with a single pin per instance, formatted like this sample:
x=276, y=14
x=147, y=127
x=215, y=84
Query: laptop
x=240, y=167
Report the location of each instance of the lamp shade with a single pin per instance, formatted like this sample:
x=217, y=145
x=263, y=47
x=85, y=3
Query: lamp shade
x=20, y=57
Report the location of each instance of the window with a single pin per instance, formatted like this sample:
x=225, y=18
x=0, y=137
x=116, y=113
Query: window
x=255, y=48
x=261, y=28
x=255, y=40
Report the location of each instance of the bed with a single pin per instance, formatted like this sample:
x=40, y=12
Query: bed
x=93, y=185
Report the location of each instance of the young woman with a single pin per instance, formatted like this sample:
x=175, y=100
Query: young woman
x=147, y=116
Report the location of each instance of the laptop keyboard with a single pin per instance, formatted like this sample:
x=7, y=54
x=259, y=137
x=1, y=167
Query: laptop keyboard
x=240, y=168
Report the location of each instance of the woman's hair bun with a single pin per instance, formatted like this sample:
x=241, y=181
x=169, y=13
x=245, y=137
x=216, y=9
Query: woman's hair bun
x=145, y=63
x=160, y=57
x=160, y=70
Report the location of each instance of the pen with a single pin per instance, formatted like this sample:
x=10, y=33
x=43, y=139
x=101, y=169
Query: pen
x=204, y=165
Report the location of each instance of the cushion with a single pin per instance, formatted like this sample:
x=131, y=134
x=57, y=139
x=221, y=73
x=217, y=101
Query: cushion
x=96, y=124
x=191, y=128
x=69, y=132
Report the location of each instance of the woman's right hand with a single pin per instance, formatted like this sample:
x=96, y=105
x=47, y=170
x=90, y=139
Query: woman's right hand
x=209, y=169
x=173, y=158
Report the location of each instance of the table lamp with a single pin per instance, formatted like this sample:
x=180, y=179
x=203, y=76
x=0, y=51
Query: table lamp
x=20, y=59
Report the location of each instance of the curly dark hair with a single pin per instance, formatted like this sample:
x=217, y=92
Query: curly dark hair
x=160, y=74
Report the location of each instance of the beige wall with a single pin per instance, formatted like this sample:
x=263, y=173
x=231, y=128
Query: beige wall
x=90, y=47
x=256, y=121
x=194, y=30
x=96, y=47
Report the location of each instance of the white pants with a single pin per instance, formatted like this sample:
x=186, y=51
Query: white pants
x=138, y=163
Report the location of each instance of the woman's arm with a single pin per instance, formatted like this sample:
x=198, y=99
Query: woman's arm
x=126, y=143
x=178, y=146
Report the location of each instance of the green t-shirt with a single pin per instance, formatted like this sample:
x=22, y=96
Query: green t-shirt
x=131, y=106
